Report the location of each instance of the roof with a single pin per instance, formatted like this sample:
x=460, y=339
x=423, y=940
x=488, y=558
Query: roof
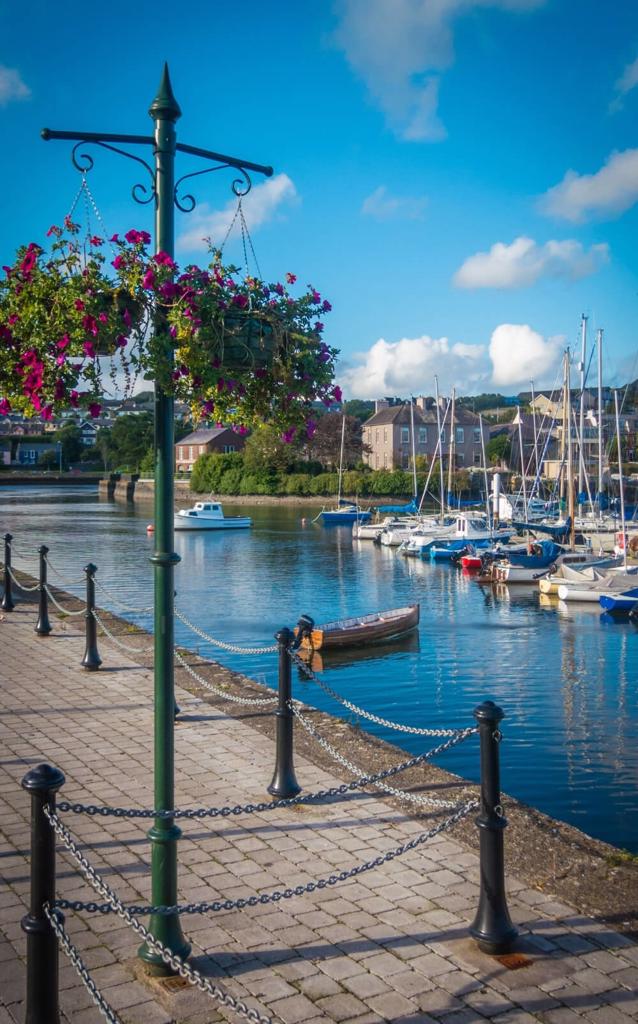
x=395, y=414
x=203, y=435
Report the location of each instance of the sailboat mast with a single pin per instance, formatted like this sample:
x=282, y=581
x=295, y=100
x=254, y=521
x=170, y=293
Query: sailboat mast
x=599, y=343
x=414, y=489
x=620, y=484
x=535, y=434
x=343, y=438
x=581, y=419
x=451, y=448
x=485, y=480
x=438, y=427
x=570, y=463
x=520, y=443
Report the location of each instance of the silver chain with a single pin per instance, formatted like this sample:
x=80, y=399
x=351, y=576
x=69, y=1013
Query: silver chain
x=22, y=586
x=119, y=603
x=413, y=730
x=102, y=888
x=256, y=701
x=55, y=920
x=116, y=640
x=80, y=611
x=402, y=794
x=169, y=958
x=65, y=579
x=220, y=643
x=197, y=813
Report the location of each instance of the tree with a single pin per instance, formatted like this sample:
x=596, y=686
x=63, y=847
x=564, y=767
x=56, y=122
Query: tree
x=48, y=460
x=70, y=437
x=359, y=409
x=499, y=449
x=131, y=437
x=326, y=443
x=265, y=452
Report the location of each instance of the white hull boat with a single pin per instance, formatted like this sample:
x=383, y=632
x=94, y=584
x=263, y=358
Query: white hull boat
x=209, y=515
x=590, y=591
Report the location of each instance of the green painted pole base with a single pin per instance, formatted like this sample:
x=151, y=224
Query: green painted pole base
x=166, y=928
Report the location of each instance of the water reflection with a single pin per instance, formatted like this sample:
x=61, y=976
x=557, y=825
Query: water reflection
x=565, y=677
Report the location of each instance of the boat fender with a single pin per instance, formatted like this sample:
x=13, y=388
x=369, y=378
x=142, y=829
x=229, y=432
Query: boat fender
x=305, y=626
x=303, y=521
x=150, y=528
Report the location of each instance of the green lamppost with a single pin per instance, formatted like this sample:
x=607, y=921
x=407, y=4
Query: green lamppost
x=164, y=834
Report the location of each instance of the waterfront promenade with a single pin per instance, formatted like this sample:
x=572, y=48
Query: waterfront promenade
x=392, y=945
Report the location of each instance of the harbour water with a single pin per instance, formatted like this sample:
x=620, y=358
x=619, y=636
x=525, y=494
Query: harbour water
x=564, y=675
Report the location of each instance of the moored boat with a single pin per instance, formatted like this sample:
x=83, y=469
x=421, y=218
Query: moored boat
x=622, y=603
x=209, y=515
x=360, y=629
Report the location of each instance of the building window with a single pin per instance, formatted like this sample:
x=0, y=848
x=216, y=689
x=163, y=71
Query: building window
x=442, y=435
x=385, y=460
x=377, y=435
x=405, y=435
x=477, y=435
x=376, y=462
x=460, y=435
x=229, y=448
x=477, y=458
x=385, y=435
x=459, y=459
x=202, y=449
x=190, y=453
x=423, y=435
x=181, y=453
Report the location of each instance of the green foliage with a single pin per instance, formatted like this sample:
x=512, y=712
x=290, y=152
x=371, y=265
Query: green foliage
x=359, y=409
x=48, y=460
x=70, y=437
x=147, y=465
x=265, y=451
x=130, y=439
x=209, y=469
x=499, y=449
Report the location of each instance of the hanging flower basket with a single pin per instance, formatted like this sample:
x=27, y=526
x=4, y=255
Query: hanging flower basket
x=242, y=351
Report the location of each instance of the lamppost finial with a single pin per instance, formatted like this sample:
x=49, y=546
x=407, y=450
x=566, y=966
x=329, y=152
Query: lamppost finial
x=165, y=106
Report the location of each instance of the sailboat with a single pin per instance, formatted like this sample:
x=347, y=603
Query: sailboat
x=346, y=512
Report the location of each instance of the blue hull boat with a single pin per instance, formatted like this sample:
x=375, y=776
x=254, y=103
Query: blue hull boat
x=345, y=516
x=620, y=604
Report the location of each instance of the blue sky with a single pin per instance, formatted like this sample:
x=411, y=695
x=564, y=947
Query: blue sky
x=458, y=177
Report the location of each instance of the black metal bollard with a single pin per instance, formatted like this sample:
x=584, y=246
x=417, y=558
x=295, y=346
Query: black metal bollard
x=43, y=626
x=7, y=598
x=42, y=1006
x=91, y=660
x=284, y=782
x=492, y=927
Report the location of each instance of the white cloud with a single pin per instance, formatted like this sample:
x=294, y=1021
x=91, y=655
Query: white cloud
x=627, y=81
x=400, y=47
x=524, y=261
x=383, y=206
x=611, y=190
x=408, y=367
x=520, y=354
x=11, y=86
x=259, y=206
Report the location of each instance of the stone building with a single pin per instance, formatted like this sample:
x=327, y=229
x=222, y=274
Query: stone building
x=388, y=433
x=201, y=442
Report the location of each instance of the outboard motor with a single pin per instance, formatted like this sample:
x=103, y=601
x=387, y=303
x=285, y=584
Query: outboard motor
x=305, y=626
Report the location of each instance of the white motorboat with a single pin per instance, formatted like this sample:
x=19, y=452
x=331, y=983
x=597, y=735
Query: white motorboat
x=208, y=515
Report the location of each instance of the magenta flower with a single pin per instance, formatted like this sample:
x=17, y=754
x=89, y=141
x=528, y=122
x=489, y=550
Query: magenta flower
x=5, y=407
x=79, y=304
x=63, y=342
x=291, y=278
x=114, y=238
x=47, y=412
x=59, y=391
x=118, y=262
x=95, y=240
x=120, y=341
x=148, y=281
x=164, y=260
x=94, y=409
x=74, y=399
x=89, y=349
x=337, y=394
x=325, y=305
x=240, y=300
x=89, y=323
x=289, y=435
x=126, y=317
x=138, y=237
x=318, y=327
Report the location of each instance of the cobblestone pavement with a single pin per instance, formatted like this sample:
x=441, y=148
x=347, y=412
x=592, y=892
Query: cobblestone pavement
x=392, y=945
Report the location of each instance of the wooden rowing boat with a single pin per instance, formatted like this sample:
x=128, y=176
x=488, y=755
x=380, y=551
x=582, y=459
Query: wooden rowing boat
x=361, y=629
